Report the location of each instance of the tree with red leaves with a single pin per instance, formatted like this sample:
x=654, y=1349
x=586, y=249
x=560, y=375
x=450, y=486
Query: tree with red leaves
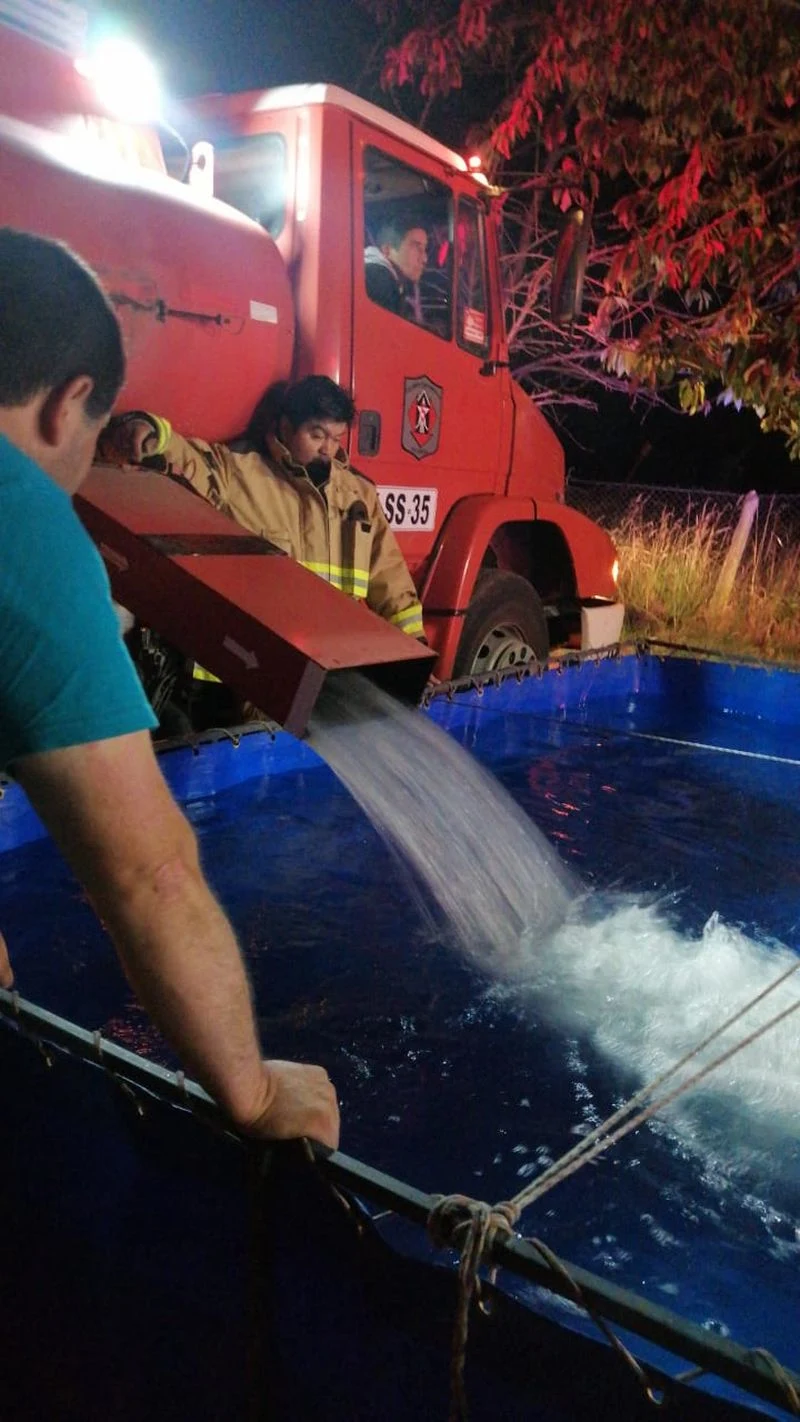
x=675, y=128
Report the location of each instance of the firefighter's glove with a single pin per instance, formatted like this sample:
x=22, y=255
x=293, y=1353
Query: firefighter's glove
x=134, y=438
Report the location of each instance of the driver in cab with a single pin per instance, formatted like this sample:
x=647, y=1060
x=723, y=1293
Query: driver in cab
x=394, y=266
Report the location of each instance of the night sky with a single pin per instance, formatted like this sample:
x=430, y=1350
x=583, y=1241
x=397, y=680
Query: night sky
x=206, y=45
x=202, y=45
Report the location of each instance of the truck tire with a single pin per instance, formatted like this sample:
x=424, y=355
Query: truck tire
x=505, y=626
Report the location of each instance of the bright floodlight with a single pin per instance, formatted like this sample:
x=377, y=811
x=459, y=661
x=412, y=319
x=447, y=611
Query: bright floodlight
x=125, y=79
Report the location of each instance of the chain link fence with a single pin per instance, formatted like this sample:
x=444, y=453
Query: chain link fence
x=612, y=505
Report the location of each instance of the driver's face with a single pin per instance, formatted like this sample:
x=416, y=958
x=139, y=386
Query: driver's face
x=411, y=253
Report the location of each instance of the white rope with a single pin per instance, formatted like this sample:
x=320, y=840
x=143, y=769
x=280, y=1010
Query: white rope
x=706, y=746
x=589, y=728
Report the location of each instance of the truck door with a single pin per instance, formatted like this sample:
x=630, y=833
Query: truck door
x=431, y=405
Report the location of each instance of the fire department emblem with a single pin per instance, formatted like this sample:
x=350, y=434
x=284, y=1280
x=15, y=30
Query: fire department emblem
x=422, y=416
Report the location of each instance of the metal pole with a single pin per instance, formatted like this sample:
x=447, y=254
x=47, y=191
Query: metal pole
x=727, y=576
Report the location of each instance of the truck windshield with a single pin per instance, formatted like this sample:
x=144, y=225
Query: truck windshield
x=250, y=174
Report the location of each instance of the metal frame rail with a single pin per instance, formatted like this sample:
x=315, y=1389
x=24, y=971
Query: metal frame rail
x=749, y=1369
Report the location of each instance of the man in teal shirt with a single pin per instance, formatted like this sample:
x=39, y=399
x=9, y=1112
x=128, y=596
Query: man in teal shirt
x=55, y=601
x=74, y=724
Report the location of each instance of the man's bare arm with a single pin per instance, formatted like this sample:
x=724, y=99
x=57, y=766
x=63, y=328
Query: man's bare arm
x=6, y=974
x=109, y=810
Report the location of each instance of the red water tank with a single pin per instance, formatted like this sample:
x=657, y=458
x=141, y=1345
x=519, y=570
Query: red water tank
x=201, y=291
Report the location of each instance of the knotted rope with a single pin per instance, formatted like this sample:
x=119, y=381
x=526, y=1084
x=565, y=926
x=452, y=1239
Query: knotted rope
x=471, y=1227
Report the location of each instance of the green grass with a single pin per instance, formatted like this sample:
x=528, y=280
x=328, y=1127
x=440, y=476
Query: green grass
x=668, y=573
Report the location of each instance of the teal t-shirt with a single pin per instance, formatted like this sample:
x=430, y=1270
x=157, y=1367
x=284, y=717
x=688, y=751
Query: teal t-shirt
x=65, y=674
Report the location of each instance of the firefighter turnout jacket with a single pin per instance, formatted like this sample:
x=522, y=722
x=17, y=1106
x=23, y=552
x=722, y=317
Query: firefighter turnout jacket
x=338, y=531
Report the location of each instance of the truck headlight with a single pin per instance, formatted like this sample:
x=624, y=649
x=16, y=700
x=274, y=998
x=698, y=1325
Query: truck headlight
x=124, y=78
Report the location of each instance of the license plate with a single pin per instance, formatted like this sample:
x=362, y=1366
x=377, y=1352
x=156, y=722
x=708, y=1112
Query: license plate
x=409, y=509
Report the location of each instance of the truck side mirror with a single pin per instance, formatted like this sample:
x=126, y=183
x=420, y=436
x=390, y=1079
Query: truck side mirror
x=569, y=267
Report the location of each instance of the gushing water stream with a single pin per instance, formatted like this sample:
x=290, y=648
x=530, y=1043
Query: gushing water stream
x=500, y=887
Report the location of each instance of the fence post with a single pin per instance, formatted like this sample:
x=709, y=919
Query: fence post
x=735, y=553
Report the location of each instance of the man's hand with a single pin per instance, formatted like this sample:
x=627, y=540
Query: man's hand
x=127, y=440
x=6, y=973
x=299, y=1101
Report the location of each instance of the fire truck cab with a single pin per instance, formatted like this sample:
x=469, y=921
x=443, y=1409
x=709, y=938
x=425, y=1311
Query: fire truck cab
x=470, y=474
x=246, y=254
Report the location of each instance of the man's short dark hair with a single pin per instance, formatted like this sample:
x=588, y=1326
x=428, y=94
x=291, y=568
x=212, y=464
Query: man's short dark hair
x=391, y=231
x=56, y=324
x=314, y=398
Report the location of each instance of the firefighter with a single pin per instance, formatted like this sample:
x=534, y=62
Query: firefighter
x=287, y=480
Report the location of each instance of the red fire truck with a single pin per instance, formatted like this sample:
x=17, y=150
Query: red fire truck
x=236, y=257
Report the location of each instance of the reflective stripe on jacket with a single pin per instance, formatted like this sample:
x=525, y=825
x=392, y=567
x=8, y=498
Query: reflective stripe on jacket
x=339, y=532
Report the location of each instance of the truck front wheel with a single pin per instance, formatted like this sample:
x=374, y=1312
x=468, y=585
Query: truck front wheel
x=505, y=626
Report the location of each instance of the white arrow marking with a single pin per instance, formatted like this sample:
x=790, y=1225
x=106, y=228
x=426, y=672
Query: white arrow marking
x=249, y=658
x=117, y=560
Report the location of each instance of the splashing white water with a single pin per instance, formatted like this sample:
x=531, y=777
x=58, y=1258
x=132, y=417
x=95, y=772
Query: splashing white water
x=645, y=993
x=612, y=969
